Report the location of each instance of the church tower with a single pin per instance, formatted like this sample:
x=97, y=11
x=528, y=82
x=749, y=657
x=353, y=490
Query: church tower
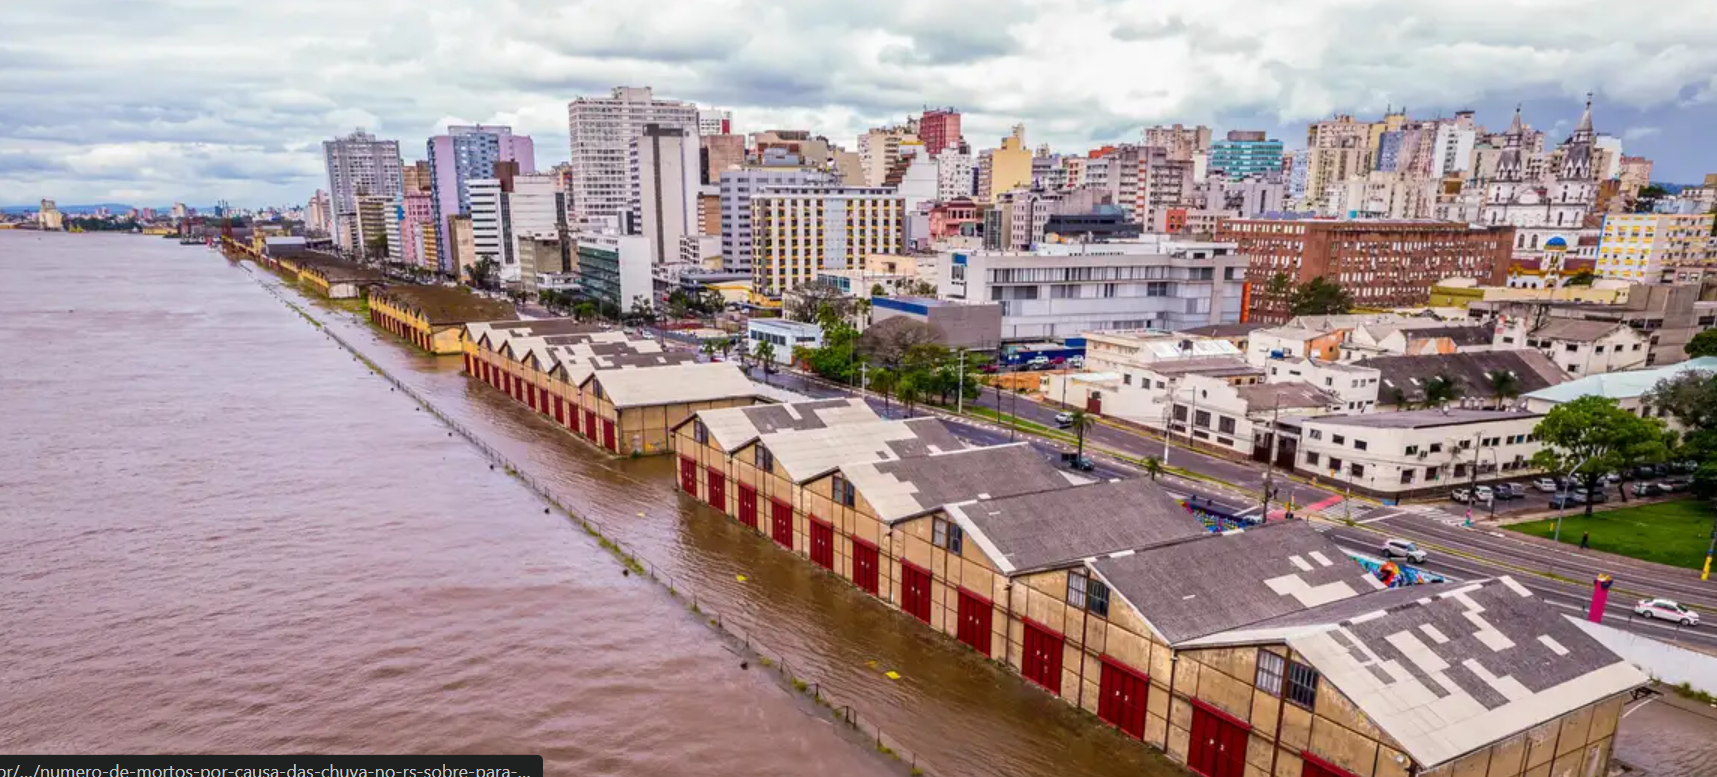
x=1510, y=170
x=1576, y=188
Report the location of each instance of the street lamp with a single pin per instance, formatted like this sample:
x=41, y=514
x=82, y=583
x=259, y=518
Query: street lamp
x=1565, y=485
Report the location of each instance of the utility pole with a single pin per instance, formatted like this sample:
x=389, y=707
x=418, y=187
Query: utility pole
x=1472, y=487
x=1270, y=455
x=960, y=398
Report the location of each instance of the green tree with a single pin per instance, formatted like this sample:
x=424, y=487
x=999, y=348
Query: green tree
x=882, y=380
x=1504, y=385
x=1593, y=435
x=1580, y=278
x=584, y=311
x=765, y=353
x=642, y=312
x=1702, y=344
x=1691, y=399
x=876, y=290
x=376, y=248
x=909, y=392
x=1441, y=390
x=1079, y=421
x=1154, y=466
x=1319, y=297
x=482, y=273
x=1399, y=399
x=742, y=351
x=678, y=304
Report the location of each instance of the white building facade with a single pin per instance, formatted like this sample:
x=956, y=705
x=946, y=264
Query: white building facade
x=357, y=164
x=1416, y=452
x=602, y=131
x=664, y=171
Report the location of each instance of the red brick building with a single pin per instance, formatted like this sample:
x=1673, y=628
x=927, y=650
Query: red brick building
x=1381, y=263
x=939, y=129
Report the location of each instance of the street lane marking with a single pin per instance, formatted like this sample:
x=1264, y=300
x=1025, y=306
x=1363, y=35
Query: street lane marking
x=1648, y=700
x=1380, y=518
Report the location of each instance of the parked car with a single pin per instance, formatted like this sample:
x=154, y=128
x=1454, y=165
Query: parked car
x=1547, y=485
x=1077, y=362
x=1565, y=501
x=1597, y=497
x=1484, y=494
x=1644, y=471
x=1667, y=609
x=1648, y=489
x=1677, y=483
x=1064, y=419
x=1461, y=495
x=1511, y=491
x=1037, y=363
x=1078, y=462
x=989, y=369
x=1393, y=548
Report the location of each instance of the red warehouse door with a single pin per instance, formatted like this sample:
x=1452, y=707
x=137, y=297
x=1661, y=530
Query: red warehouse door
x=748, y=505
x=974, y=628
x=915, y=591
x=1122, y=697
x=689, y=476
x=781, y=523
x=608, y=436
x=864, y=565
x=822, y=543
x=1317, y=767
x=559, y=411
x=470, y=369
x=1041, y=663
x=1218, y=747
x=717, y=490
x=590, y=424
x=531, y=396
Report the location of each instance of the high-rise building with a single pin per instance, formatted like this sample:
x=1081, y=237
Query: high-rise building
x=1244, y=154
x=491, y=238
x=879, y=149
x=954, y=175
x=1383, y=264
x=467, y=153
x=939, y=128
x=417, y=232
x=1181, y=143
x=417, y=177
x=737, y=187
x=718, y=154
x=1656, y=247
x=536, y=211
x=1009, y=165
x=664, y=169
x=357, y=164
x=602, y=130
x=800, y=231
x=316, y=215
x=714, y=122
x=1453, y=146
x=377, y=224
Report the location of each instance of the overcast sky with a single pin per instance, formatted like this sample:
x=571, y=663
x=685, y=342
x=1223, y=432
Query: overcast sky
x=152, y=101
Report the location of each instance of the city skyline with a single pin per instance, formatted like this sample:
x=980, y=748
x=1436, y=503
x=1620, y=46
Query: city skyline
x=226, y=118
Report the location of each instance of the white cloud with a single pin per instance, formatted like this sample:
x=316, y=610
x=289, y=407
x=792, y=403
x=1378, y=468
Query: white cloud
x=1638, y=133
x=195, y=92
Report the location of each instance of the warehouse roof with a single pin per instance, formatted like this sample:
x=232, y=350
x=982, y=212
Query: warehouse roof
x=1577, y=330
x=1409, y=374
x=1420, y=419
x=901, y=489
x=1214, y=583
x=1621, y=385
x=1047, y=528
x=492, y=334
x=442, y=305
x=1445, y=671
x=729, y=428
x=805, y=454
x=672, y=385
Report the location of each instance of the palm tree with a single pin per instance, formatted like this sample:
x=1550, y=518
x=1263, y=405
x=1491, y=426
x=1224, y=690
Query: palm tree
x=907, y=389
x=1505, y=385
x=1154, y=466
x=742, y=352
x=766, y=355
x=1079, y=421
x=882, y=381
x=1441, y=390
x=709, y=347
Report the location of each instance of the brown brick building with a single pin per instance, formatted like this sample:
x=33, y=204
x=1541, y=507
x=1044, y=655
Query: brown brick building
x=1381, y=263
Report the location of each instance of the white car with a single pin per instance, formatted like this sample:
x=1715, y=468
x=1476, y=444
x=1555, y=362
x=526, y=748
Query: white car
x=1666, y=609
x=1547, y=485
x=1483, y=494
x=1404, y=549
x=1064, y=420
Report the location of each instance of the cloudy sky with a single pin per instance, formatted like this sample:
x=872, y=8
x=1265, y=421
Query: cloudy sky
x=152, y=101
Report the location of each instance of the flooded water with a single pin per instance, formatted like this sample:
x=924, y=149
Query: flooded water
x=1668, y=737
x=220, y=533
x=235, y=537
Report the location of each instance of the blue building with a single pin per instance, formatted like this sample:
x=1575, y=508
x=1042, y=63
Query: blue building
x=1244, y=154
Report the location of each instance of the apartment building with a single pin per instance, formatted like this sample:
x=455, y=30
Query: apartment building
x=1246, y=154
x=1657, y=247
x=1065, y=289
x=468, y=153
x=1380, y=263
x=615, y=269
x=800, y=231
x=1580, y=347
x=358, y=164
x=602, y=131
x=664, y=169
x=736, y=189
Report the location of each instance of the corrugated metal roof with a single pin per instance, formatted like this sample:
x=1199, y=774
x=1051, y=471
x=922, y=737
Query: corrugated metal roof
x=674, y=384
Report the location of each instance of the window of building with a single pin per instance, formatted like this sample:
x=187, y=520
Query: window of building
x=1357, y=470
x=1359, y=445
x=947, y=535
x=1225, y=425
x=1315, y=434
x=1302, y=685
x=1431, y=473
x=1311, y=457
x=1436, y=447
x=1334, y=464
x=1202, y=419
x=1460, y=470
x=843, y=491
x=1412, y=449
x=1570, y=347
x=764, y=459
x=1406, y=476
x=1270, y=670
x=700, y=432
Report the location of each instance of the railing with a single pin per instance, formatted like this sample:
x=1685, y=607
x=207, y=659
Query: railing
x=746, y=643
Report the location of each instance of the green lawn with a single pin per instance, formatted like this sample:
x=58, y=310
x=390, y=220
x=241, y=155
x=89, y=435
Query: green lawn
x=1675, y=533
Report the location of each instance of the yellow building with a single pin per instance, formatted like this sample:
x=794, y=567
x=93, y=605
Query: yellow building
x=433, y=317
x=796, y=233
x=333, y=277
x=1657, y=247
x=1458, y=293
x=1010, y=165
x=631, y=410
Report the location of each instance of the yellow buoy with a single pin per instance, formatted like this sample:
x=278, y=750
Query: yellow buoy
x=892, y=675
x=740, y=578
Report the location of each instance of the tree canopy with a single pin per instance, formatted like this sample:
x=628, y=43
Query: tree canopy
x=1319, y=297
x=1702, y=344
x=1691, y=399
x=1592, y=436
